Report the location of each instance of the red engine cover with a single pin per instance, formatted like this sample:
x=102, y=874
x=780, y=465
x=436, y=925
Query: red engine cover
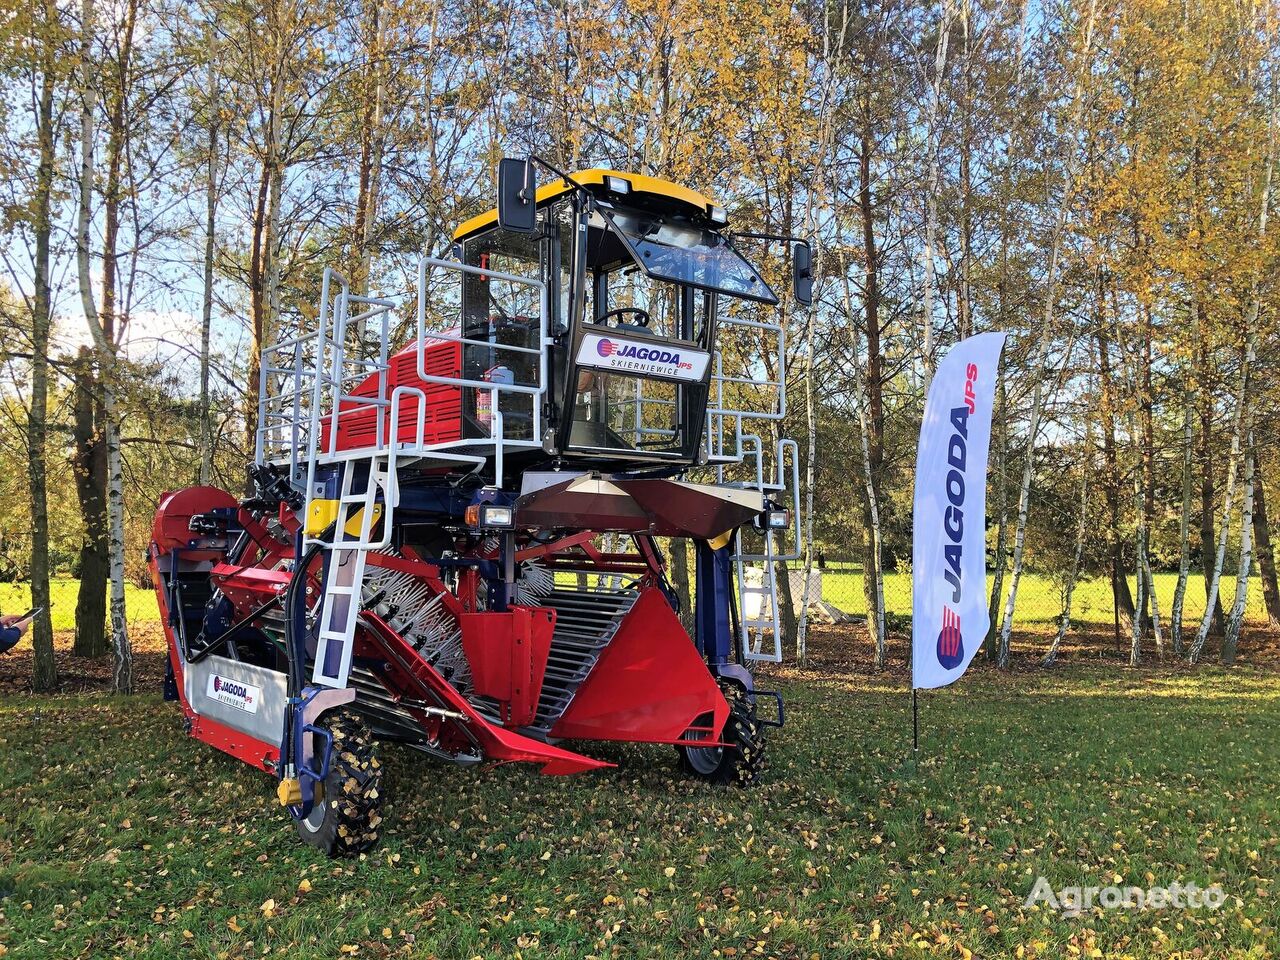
x=171, y=529
x=649, y=685
x=358, y=424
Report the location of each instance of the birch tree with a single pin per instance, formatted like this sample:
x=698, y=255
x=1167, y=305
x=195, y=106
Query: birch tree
x=102, y=326
x=1231, y=638
x=1070, y=166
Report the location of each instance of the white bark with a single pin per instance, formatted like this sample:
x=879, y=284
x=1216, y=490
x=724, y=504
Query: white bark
x=122, y=667
x=933, y=131
x=811, y=413
x=876, y=614
x=1002, y=522
x=1139, y=600
x=84, y=209
x=211, y=208
x=1243, y=425
x=1156, y=633
x=1202, y=635
x=1184, y=530
x=1236, y=618
x=1145, y=581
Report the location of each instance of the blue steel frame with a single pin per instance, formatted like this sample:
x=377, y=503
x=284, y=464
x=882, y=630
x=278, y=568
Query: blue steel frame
x=713, y=631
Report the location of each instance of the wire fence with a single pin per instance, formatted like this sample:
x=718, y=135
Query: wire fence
x=1041, y=597
x=1039, y=601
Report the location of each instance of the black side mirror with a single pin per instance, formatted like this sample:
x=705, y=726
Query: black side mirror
x=517, y=204
x=802, y=273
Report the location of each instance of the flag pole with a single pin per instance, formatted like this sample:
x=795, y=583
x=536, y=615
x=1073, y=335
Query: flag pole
x=915, y=723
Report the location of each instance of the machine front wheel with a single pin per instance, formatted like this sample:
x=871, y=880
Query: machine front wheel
x=345, y=818
x=738, y=764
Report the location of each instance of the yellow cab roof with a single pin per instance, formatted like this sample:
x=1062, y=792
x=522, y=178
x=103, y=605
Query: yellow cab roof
x=640, y=183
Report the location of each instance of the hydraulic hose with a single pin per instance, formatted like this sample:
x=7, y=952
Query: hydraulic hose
x=295, y=593
x=295, y=645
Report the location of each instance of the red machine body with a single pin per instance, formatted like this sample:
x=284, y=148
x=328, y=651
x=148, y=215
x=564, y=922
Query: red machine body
x=648, y=683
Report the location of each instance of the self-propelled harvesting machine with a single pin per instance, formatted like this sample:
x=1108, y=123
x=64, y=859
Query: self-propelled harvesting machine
x=455, y=536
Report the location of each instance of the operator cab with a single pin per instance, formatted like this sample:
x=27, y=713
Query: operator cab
x=634, y=268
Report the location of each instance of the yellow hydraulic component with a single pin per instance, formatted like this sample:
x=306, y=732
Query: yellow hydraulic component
x=289, y=792
x=715, y=543
x=322, y=514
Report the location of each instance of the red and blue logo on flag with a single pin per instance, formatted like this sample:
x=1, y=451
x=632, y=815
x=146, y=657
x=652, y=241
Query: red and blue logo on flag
x=950, y=640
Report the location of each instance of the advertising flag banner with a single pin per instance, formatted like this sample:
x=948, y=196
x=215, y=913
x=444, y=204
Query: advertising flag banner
x=948, y=553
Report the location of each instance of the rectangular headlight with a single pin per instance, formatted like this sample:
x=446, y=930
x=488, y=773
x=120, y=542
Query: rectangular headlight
x=778, y=519
x=718, y=215
x=492, y=515
x=617, y=185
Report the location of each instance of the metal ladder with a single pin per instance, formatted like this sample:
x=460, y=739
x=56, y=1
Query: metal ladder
x=761, y=633
x=766, y=621
x=347, y=556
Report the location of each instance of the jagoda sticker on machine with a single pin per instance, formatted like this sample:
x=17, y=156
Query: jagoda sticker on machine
x=669, y=360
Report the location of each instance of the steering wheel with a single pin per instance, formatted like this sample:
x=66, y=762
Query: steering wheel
x=642, y=316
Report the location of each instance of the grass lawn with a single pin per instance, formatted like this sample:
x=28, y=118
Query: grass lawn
x=140, y=602
x=1039, y=599
x=120, y=836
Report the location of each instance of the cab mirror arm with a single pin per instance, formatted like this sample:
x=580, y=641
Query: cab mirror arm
x=518, y=191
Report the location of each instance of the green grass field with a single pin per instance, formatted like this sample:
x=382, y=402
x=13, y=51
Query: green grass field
x=140, y=603
x=1039, y=600
x=120, y=836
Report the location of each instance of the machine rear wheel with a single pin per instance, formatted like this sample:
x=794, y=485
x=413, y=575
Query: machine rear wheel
x=345, y=818
x=738, y=764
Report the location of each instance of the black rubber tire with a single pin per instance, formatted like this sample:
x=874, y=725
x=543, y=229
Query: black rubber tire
x=345, y=821
x=739, y=764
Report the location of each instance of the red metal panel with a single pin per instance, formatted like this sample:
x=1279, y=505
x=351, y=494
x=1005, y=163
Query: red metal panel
x=407, y=672
x=358, y=424
x=649, y=684
x=248, y=587
x=507, y=653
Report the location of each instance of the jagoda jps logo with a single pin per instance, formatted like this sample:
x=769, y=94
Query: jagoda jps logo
x=950, y=637
x=643, y=359
x=630, y=351
x=234, y=693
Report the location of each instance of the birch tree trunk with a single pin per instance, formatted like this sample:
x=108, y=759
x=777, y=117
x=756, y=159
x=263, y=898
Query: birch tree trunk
x=994, y=609
x=1139, y=601
x=1231, y=639
x=102, y=327
x=1050, y=307
x=372, y=147
x=873, y=580
x=1242, y=398
x=211, y=210
x=1243, y=425
x=933, y=131
x=1184, y=529
x=810, y=475
x=89, y=462
x=1143, y=579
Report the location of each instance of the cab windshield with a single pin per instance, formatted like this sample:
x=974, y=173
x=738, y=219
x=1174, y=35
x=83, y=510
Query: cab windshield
x=682, y=252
